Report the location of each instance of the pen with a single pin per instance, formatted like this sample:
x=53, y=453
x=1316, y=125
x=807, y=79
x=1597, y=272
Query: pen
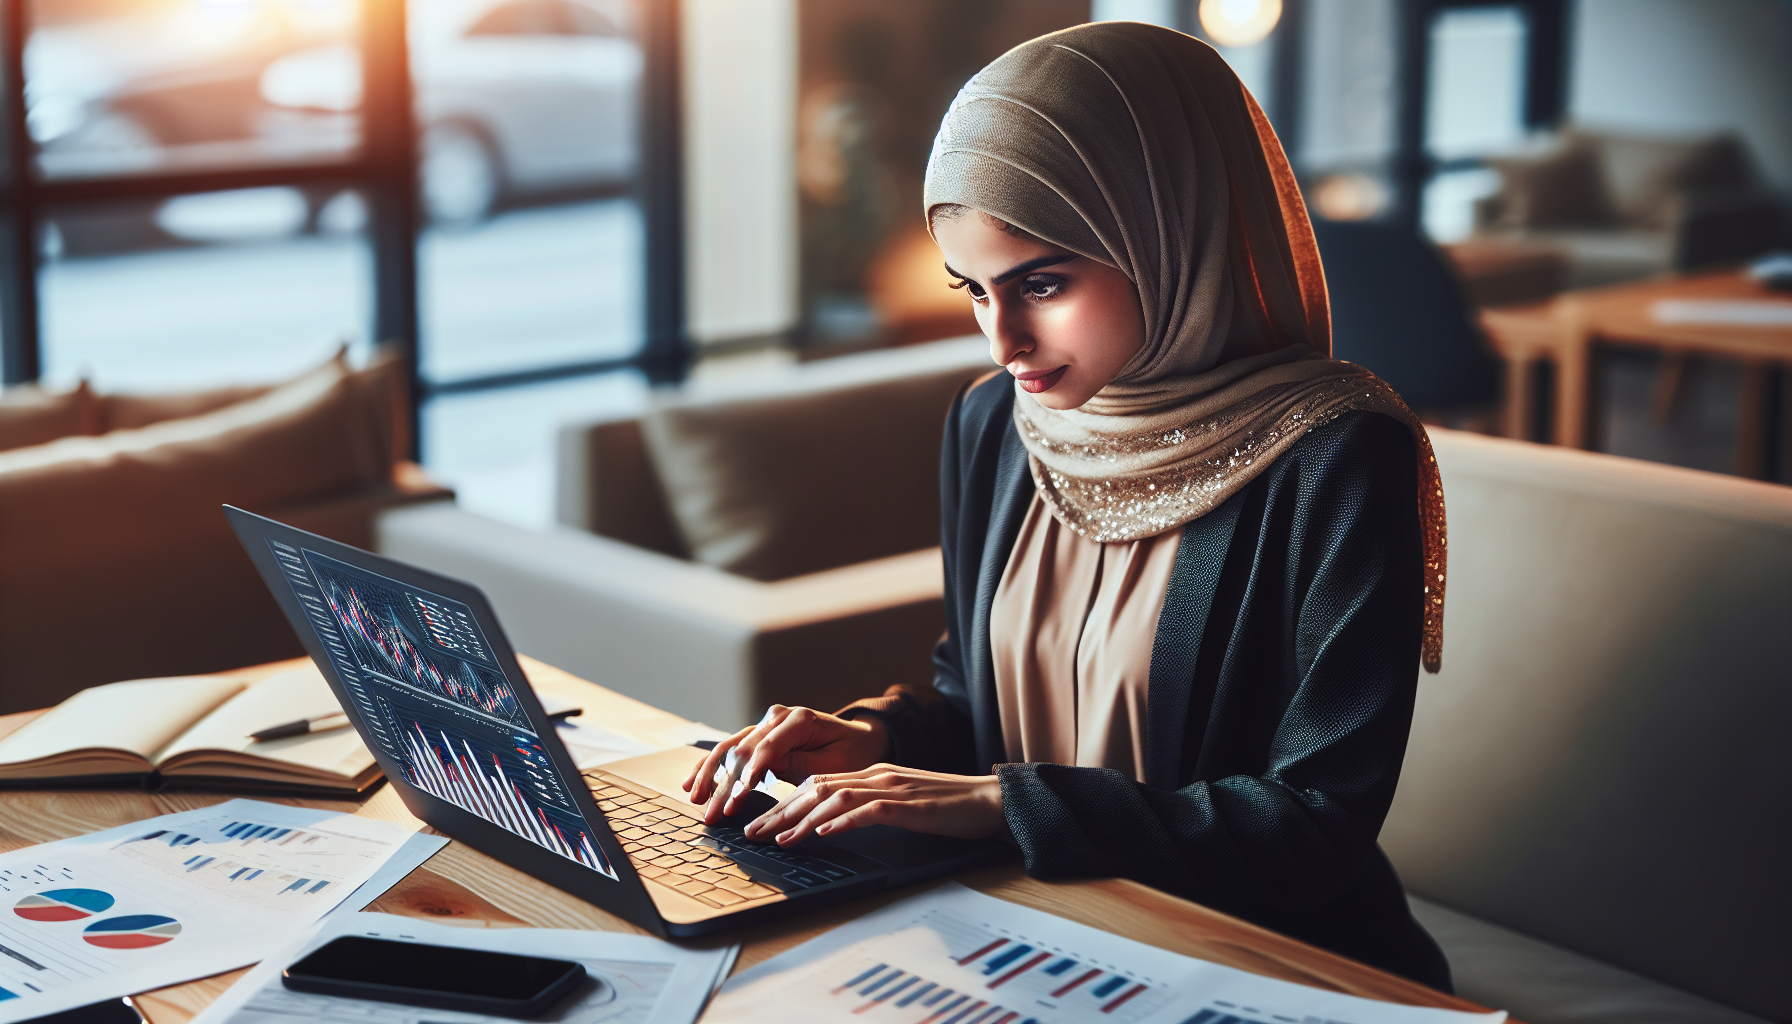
x=316, y=723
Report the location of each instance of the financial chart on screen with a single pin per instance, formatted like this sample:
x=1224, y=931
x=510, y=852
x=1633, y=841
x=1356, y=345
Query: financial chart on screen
x=425, y=681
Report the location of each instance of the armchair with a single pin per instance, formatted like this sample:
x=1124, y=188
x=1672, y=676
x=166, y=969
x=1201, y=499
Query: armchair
x=741, y=543
x=1591, y=810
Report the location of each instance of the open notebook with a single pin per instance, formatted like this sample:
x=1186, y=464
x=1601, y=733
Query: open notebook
x=192, y=732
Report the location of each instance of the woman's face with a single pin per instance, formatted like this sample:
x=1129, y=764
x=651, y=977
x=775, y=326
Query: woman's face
x=1062, y=324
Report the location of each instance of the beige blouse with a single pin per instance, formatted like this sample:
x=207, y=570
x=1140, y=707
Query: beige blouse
x=1071, y=631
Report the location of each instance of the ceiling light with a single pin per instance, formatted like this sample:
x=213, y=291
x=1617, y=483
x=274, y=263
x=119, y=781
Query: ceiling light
x=1239, y=22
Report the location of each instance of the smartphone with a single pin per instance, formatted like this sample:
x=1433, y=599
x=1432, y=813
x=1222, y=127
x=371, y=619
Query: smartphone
x=441, y=977
x=112, y=1011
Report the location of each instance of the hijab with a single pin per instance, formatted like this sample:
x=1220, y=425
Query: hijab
x=1138, y=147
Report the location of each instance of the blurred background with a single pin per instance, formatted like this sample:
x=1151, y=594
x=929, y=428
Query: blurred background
x=554, y=205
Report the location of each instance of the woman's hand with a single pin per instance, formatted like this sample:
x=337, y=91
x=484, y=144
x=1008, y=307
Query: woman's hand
x=793, y=743
x=964, y=806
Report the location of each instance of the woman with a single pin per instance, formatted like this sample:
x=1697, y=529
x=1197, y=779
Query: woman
x=1189, y=559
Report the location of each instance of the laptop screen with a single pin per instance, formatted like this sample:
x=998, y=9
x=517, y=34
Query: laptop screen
x=429, y=689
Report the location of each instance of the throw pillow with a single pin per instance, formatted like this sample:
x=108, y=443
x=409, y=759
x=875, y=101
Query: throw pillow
x=116, y=560
x=1563, y=189
x=1646, y=176
x=126, y=411
x=30, y=415
x=325, y=432
x=778, y=487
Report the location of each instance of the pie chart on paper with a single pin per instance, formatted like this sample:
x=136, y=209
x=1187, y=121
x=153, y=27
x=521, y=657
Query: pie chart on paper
x=133, y=931
x=63, y=904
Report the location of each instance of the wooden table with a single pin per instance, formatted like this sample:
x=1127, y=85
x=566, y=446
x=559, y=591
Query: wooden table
x=1566, y=330
x=463, y=886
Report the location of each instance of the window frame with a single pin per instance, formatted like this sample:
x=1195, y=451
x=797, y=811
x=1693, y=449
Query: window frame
x=385, y=172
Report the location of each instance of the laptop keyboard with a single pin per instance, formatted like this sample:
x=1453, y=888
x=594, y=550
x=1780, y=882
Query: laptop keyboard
x=716, y=865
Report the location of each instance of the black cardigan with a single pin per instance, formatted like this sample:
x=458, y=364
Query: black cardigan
x=1281, y=690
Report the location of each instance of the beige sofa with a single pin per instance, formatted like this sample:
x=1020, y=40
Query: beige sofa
x=1617, y=206
x=750, y=541
x=116, y=561
x=1594, y=814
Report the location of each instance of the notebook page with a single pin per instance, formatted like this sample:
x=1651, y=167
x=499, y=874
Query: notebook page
x=140, y=716
x=286, y=697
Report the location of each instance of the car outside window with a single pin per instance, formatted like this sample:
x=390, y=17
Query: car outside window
x=543, y=18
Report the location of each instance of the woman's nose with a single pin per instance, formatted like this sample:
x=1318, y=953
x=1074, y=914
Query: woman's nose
x=1008, y=334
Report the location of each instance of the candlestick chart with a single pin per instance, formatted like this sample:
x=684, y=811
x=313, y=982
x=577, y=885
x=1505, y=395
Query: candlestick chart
x=396, y=635
x=434, y=701
x=518, y=796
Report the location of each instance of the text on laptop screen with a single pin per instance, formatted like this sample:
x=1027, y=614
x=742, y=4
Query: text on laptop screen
x=424, y=680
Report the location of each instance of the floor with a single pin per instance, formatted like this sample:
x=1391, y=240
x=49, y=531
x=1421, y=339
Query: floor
x=1698, y=428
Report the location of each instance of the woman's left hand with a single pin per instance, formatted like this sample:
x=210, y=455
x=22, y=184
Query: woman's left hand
x=964, y=806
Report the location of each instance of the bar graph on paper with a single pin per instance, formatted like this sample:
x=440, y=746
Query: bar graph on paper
x=984, y=975
x=268, y=865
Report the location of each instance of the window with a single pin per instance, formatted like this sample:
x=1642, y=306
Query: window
x=201, y=192
x=1474, y=108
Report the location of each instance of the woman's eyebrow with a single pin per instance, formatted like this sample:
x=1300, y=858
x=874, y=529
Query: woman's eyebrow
x=1031, y=265
x=1014, y=272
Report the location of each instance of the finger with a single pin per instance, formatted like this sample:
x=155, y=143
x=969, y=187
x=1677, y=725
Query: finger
x=842, y=800
x=791, y=809
x=815, y=789
x=788, y=733
x=696, y=783
x=703, y=776
x=729, y=787
x=712, y=811
x=802, y=791
x=882, y=811
x=729, y=752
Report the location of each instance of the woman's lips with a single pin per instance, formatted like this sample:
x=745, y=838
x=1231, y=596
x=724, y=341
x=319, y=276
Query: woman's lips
x=1040, y=380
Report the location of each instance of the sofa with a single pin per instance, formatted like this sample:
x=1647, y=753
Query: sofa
x=742, y=542
x=1593, y=815
x=1617, y=206
x=116, y=561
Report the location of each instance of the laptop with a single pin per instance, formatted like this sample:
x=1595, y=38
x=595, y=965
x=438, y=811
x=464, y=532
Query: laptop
x=426, y=676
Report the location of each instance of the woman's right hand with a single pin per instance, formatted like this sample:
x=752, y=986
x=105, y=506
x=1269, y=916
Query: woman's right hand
x=793, y=743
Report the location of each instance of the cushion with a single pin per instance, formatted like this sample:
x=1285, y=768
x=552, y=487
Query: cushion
x=1543, y=984
x=1645, y=176
x=120, y=537
x=1562, y=189
x=30, y=415
x=128, y=411
x=776, y=487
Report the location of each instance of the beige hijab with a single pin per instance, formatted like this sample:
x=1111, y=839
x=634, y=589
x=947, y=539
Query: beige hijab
x=1137, y=146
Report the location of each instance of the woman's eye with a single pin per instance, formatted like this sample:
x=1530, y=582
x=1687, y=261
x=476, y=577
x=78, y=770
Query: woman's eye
x=1042, y=286
x=971, y=286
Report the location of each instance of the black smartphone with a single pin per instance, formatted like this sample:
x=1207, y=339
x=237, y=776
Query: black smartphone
x=112, y=1011
x=442, y=977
